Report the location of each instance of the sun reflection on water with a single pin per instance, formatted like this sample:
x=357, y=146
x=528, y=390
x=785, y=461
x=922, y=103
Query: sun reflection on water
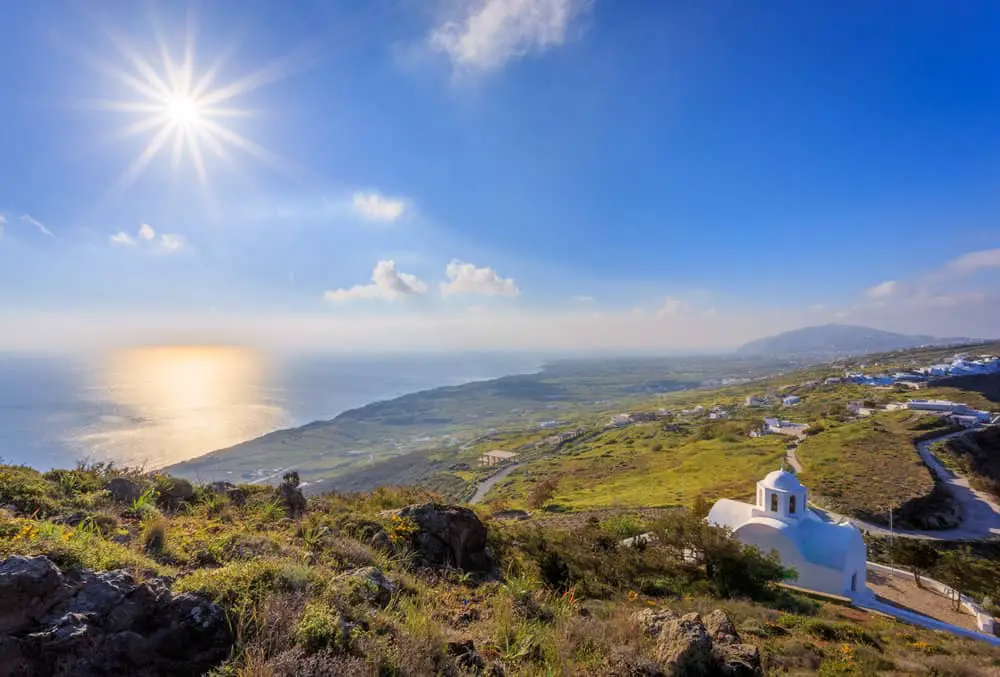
x=167, y=404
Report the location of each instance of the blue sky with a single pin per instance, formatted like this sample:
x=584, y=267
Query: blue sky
x=497, y=173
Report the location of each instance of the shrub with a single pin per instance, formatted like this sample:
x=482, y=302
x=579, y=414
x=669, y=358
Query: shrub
x=27, y=490
x=239, y=584
x=321, y=628
x=154, y=534
x=542, y=493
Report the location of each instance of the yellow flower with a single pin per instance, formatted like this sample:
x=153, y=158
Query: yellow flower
x=632, y=595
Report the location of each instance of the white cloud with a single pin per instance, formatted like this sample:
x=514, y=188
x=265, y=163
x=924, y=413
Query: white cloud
x=973, y=261
x=122, y=239
x=165, y=243
x=3, y=222
x=486, y=34
x=584, y=299
x=387, y=284
x=170, y=243
x=883, y=290
x=375, y=207
x=32, y=221
x=466, y=278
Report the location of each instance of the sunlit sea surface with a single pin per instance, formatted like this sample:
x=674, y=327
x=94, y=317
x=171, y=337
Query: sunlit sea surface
x=158, y=406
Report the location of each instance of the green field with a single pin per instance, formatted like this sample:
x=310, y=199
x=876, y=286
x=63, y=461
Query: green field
x=648, y=466
x=865, y=467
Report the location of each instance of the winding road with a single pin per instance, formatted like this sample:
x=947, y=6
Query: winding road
x=980, y=511
x=484, y=487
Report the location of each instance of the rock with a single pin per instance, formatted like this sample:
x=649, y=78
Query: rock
x=688, y=645
x=176, y=490
x=685, y=647
x=370, y=584
x=89, y=624
x=448, y=535
x=466, y=656
x=652, y=620
x=125, y=490
x=740, y=660
x=381, y=541
x=29, y=587
x=721, y=628
x=626, y=662
x=291, y=495
x=237, y=496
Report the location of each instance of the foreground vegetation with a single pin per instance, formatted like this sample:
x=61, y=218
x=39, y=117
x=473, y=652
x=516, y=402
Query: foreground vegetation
x=301, y=597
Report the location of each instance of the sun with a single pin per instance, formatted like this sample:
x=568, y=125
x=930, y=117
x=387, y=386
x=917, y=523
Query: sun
x=184, y=111
x=183, y=108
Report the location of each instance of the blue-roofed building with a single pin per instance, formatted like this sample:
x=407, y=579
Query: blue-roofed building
x=827, y=557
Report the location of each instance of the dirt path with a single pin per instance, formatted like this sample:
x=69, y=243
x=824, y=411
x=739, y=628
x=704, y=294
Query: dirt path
x=980, y=511
x=484, y=487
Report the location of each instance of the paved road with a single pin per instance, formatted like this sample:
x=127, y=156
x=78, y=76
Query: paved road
x=484, y=487
x=980, y=511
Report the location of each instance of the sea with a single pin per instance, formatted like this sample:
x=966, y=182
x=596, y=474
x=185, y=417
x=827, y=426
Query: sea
x=155, y=406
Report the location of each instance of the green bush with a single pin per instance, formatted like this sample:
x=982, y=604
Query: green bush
x=239, y=584
x=320, y=627
x=28, y=491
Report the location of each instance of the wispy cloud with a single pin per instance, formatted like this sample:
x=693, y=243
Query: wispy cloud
x=883, y=290
x=466, y=278
x=32, y=221
x=973, y=261
x=376, y=207
x=166, y=243
x=122, y=239
x=387, y=284
x=483, y=35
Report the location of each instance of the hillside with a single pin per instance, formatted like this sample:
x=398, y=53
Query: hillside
x=449, y=417
x=834, y=340
x=161, y=578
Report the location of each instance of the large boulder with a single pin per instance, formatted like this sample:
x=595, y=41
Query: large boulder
x=689, y=645
x=446, y=536
x=95, y=624
x=125, y=490
x=175, y=490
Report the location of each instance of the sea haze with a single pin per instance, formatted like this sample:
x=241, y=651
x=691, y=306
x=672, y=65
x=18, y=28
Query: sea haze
x=163, y=405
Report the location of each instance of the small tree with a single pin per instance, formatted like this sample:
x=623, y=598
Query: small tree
x=916, y=555
x=542, y=493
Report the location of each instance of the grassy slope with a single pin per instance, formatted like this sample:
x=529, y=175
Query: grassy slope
x=861, y=468
x=280, y=581
x=646, y=465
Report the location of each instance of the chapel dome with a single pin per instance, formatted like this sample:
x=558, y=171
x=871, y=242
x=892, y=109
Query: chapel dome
x=782, y=480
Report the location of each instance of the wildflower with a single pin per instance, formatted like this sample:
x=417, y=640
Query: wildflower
x=632, y=595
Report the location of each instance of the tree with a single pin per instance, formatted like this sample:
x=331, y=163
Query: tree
x=916, y=555
x=542, y=493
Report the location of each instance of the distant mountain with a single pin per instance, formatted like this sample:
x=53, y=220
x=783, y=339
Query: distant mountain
x=840, y=339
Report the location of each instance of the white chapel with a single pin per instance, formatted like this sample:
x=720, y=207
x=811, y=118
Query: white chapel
x=828, y=557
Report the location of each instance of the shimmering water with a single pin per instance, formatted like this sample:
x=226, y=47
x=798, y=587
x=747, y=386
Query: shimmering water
x=162, y=405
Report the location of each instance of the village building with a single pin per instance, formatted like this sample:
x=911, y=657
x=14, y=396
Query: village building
x=827, y=557
x=790, y=400
x=492, y=459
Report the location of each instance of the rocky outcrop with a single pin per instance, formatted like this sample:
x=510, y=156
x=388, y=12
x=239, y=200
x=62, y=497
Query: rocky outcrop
x=369, y=585
x=236, y=496
x=95, y=624
x=175, y=490
x=125, y=490
x=688, y=645
x=447, y=535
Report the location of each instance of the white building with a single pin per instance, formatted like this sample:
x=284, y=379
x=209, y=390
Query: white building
x=497, y=457
x=791, y=400
x=827, y=557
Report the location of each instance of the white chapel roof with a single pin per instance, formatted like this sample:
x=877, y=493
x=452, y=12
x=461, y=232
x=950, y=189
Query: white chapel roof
x=729, y=513
x=782, y=480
